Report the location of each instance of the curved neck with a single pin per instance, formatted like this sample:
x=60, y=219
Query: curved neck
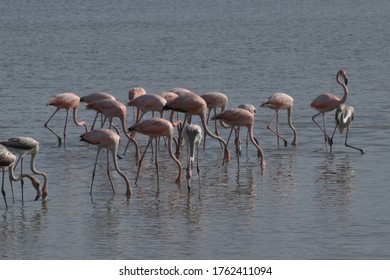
x=77, y=122
x=345, y=88
x=33, y=169
x=289, y=119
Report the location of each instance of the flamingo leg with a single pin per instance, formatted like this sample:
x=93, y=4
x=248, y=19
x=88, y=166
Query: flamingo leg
x=197, y=163
x=276, y=132
x=156, y=163
x=52, y=131
x=322, y=129
x=94, y=170
x=66, y=124
x=140, y=161
x=108, y=170
x=3, y=191
x=353, y=147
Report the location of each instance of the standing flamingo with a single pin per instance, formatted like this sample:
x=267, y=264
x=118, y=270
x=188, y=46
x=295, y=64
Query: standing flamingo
x=328, y=102
x=237, y=117
x=7, y=161
x=110, y=109
x=193, y=136
x=279, y=101
x=214, y=100
x=24, y=146
x=134, y=93
x=344, y=117
x=155, y=128
x=65, y=101
x=96, y=97
x=249, y=107
x=106, y=139
x=192, y=104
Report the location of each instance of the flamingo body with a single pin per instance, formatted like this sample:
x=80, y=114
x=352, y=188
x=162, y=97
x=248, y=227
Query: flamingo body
x=136, y=92
x=109, y=140
x=155, y=128
x=281, y=101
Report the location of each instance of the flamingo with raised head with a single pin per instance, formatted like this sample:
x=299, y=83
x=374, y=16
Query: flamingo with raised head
x=193, y=137
x=238, y=117
x=7, y=161
x=328, y=102
x=344, y=117
x=67, y=101
x=23, y=146
x=109, y=140
x=281, y=101
x=155, y=128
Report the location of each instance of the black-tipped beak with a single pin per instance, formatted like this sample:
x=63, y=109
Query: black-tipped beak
x=346, y=82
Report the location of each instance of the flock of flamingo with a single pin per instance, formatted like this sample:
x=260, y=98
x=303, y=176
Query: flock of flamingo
x=174, y=100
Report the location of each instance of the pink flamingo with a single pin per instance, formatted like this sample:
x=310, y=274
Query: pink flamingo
x=24, y=146
x=96, y=97
x=65, y=101
x=344, y=117
x=155, y=128
x=249, y=107
x=328, y=102
x=214, y=100
x=180, y=91
x=110, y=109
x=7, y=161
x=146, y=103
x=134, y=93
x=192, y=104
x=106, y=139
x=279, y=101
x=237, y=117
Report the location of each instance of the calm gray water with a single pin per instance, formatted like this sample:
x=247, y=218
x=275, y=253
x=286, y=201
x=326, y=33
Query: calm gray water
x=307, y=204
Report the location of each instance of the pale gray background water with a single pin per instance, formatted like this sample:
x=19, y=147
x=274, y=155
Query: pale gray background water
x=306, y=205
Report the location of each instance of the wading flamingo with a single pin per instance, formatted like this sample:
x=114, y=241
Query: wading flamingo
x=328, y=102
x=237, y=117
x=251, y=108
x=344, y=117
x=134, y=93
x=114, y=109
x=192, y=104
x=144, y=104
x=279, y=101
x=214, y=100
x=155, y=128
x=193, y=137
x=7, y=161
x=23, y=146
x=109, y=140
x=65, y=101
x=96, y=97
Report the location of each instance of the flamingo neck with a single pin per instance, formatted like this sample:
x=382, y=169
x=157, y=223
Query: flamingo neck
x=345, y=88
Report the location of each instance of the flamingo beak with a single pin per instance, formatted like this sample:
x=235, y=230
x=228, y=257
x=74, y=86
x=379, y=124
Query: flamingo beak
x=346, y=81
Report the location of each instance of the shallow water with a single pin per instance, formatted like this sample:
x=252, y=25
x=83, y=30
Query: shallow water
x=306, y=204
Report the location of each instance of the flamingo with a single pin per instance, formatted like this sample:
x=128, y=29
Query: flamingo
x=109, y=140
x=155, y=128
x=249, y=107
x=146, y=103
x=65, y=101
x=279, y=101
x=134, y=93
x=24, y=146
x=328, y=102
x=193, y=136
x=237, y=117
x=344, y=117
x=96, y=97
x=214, y=100
x=180, y=91
x=110, y=109
x=7, y=161
x=192, y=104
